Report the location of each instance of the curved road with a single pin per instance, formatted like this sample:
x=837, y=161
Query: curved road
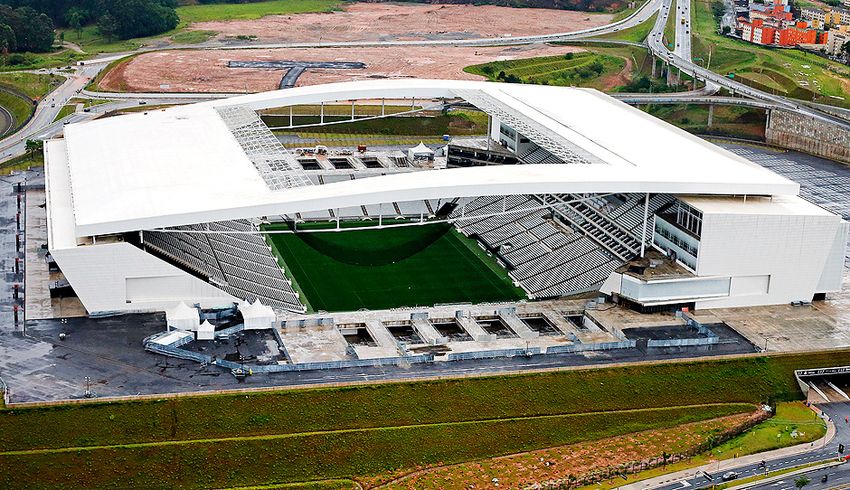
x=6, y=120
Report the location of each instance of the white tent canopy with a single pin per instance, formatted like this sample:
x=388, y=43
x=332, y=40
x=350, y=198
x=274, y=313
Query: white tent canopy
x=183, y=317
x=257, y=315
x=419, y=152
x=206, y=331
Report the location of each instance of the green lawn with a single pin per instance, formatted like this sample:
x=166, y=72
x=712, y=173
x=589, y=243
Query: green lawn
x=250, y=11
x=66, y=110
x=389, y=268
x=790, y=419
x=634, y=34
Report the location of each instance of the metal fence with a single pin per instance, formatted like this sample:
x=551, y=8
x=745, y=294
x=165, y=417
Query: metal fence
x=569, y=349
x=491, y=354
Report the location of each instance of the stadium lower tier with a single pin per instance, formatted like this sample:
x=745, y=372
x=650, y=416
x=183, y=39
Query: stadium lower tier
x=508, y=248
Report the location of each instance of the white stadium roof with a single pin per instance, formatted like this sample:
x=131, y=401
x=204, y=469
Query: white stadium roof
x=185, y=165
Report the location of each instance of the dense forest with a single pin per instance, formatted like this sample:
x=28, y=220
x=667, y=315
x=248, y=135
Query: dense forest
x=27, y=25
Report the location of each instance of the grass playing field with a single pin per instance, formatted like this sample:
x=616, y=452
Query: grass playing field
x=389, y=268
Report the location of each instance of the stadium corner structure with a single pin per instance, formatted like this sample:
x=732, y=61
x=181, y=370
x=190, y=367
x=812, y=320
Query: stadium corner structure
x=570, y=192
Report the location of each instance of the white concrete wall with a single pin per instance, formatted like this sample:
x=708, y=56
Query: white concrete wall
x=100, y=275
x=771, y=259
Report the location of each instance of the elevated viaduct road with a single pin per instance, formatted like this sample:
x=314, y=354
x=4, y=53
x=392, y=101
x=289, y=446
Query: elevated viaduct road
x=685, y=65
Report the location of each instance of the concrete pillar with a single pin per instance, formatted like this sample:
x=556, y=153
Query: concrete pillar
x=710, y=115
x=669, y=75
x=653, y=68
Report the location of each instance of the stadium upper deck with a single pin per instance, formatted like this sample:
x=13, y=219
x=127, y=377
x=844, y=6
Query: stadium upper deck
x=184, y=165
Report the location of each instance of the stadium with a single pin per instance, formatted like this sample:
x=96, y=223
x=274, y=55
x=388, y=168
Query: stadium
x=570, y=194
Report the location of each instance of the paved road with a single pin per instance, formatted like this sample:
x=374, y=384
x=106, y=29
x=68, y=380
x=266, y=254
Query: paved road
x=682, y=20
x=6, y=120
x=823, y=452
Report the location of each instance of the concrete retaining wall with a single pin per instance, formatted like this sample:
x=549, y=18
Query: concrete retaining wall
x=801, y=133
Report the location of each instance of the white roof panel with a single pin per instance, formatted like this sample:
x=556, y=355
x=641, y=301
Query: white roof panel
x=182, y=165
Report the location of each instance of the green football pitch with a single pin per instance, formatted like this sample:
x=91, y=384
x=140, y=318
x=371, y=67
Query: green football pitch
x=418, y=265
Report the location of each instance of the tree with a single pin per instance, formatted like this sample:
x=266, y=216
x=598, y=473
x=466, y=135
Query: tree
x=7, y=39
x=140, y=18
x=107, y=26
x=34, y=146
x=74, y=19
x=801, y=482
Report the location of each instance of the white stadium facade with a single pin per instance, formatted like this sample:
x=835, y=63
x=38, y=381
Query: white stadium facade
x=152, y=209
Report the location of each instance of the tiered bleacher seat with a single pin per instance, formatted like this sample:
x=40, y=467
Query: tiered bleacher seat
x=239, y=263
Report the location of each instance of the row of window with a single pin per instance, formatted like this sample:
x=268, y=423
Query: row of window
x=689, y=218
x=676, y=240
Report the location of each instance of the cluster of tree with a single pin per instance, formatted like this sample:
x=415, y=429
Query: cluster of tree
x=717, y=10
x=644, y=85
x=123, y=19
x=24, y=29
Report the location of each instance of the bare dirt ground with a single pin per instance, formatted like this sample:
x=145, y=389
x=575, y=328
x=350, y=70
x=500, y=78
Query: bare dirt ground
x=207, y=71
x=387, y=21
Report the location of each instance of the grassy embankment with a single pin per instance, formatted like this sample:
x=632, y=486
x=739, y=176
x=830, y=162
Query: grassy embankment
x=788, y=72
x=342, y=433
x=776, y=432
x=22, y=162
x=34, y=86
x=582, y=68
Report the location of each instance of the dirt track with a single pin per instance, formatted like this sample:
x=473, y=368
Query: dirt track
x=387, y=21
x=207, y=71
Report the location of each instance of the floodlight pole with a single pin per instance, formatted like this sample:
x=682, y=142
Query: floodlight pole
x=645, y=218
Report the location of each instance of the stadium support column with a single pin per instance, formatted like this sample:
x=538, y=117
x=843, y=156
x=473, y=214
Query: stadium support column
x=645, y=218
x=321, y=113
x=380, y=214
x=290, y=116
x=489, y=129
x=383, y=107
x=352, y=109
